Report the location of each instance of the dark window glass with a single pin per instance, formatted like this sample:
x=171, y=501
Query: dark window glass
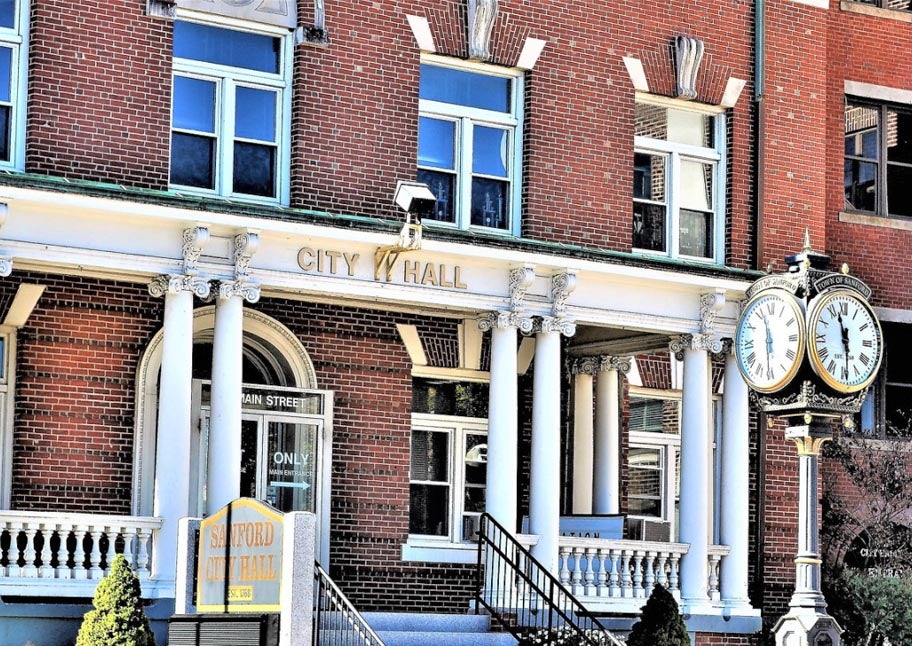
x=696, y=233
x=490, y=202
x=192, y=160
x=448, y=397
x=429, y=509
x=250, y=438
x=5, y=116
x=461, y=87
x=860, y=185
x=442, y=185
x=194, y=104
x=649, y=177
x=649, y=226
x=254, y=169
x=8, y=13
x=899, y=190
x=899, y=136
x=6, y=71
x=226, y=47
x=255, y=114
x=436, y=143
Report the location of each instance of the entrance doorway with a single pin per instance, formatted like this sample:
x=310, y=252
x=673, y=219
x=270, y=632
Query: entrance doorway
x=285, y=450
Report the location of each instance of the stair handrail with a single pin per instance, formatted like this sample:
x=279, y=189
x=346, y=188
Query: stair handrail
x=507, y=572
x=328, y=598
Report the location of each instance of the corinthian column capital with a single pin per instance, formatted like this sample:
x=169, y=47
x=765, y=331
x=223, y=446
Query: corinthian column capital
x=250, y=292
x=177, y=283
x=698, y=342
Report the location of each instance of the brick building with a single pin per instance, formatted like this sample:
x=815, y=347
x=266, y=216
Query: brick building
x=209, y=290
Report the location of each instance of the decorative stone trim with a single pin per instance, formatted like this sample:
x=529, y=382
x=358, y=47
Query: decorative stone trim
x=620, y=364
x=688, y=56
x=245, y=245
x=710, y=305
x=547, y=324
x=177, y=283
x=698, y=342
x=161, y=9
x=479, y=24
x=195, y=240
x=6, y=266
x=501, y=320
x=562, y=285
x=250, y=292
x=521, y=279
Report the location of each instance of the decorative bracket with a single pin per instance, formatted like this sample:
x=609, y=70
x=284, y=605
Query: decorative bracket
x=710, y=304
x=245, y=245
x=688, y=56
x=481, y=16
x=521, y=279
x=195, y=240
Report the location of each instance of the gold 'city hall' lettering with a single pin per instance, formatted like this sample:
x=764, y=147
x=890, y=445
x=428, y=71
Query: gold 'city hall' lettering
x=332, y=262
x=427, y=273
x=249, y=567
x=327, y=261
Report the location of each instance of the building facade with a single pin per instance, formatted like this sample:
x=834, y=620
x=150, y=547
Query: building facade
x=209, y=290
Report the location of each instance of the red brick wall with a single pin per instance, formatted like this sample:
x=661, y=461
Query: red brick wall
x=78, y=352
x=99, y=104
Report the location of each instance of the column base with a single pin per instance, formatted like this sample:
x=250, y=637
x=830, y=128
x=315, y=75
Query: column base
x=739, y=608
x=699, y=606
x=806, y=627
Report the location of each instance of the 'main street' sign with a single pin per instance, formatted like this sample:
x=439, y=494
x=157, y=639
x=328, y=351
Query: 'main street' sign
x=240, y=559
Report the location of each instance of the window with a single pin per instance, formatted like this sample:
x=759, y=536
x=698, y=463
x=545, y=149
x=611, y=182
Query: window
x=897, y=5
x=13, y=66
x=230, y=106
x=468, y=145
x=887, y=409
x=448, y=459
x=878, y=158
x=678, y=180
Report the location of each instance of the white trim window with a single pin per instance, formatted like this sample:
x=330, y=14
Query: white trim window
x=447, y=477
x=469, y=144
x=230, y=111
x=13, y=82
x=678, y=182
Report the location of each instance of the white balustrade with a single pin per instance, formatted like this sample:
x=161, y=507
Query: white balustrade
x=70, y=552
x=621, y=573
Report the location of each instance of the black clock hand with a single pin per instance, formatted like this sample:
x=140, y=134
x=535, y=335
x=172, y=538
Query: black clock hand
x=769, y=344
x=845, y=340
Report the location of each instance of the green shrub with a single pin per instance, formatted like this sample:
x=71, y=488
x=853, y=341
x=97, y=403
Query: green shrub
x=118, y=618
x=660, y=623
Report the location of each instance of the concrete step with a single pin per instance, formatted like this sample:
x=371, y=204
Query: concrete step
x=417, y=629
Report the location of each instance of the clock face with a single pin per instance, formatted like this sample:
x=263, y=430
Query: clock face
x=769, y=341
x=846, y=344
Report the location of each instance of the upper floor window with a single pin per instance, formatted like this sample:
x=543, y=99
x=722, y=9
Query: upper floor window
x=897, y=5
x=13, y=65
x=678, y=182
x=469, y=147
x=878, y=158
x=231, y=100
x=887, y=410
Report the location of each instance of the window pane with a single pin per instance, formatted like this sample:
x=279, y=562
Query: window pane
x=449, y=397
x=430, y=456
x=654, y=415
x=292, y=466
x=490, y=201
x=648, y=226
x=860, y=185
x=436, y=143
x=255, y=114
x=644, y=507
x=476, y=459
x=8, y=13
x=489, y=151
x=861, y=130
x=899, y=190
x=192, y=160
x=250, y=438
x=461, y=87
x=226, y=46
x=194, y=104
x=696, y=184
x=649, y=177
x=442, y=185
x=254, y=169
x=898, y=132
x=678, y=126
x=6, y=70
x=429, y=509
x=5, y=117
x=696, y=234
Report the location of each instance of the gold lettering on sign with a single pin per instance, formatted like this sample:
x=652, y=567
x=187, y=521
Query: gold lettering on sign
x=332, y=262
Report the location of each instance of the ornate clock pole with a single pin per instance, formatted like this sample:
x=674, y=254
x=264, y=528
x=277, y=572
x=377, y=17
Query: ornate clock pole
x=808, y=345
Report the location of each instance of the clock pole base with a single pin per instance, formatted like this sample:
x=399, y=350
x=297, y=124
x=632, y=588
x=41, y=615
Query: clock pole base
x=806, y=627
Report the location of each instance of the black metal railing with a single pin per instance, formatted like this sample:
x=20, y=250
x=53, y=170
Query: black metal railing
x=526, y=599
x=336, y=621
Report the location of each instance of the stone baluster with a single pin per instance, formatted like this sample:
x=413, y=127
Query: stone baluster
x=79, y=570
x=46, y=571
x=614, y=580
x=95, y=571
x=29, y=570
x=662, y=577
x=638, y=556
x=111, y=551
x=713, y=585
x=142, y=554
x=591, y=554
x=626, y=579
x=13, y=569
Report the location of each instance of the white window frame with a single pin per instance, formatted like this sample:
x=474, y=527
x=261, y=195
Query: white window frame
x=7, y=390
x=670, y=447
x=674, y=154
x=465, y=118
x=227, y=79
x=16, y=38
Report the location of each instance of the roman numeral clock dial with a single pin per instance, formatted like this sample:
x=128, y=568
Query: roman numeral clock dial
x=770, y=340
x=845, y=342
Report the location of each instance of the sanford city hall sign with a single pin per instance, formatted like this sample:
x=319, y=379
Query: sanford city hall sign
x=333, y=262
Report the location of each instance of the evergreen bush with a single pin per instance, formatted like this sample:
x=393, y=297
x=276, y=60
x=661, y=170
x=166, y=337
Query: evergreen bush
x=660, y=623
x=118, y=618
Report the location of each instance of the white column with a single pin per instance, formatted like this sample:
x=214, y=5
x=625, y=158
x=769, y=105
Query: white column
x=696, y=471
x=544, y=485
x=607, y=475
x=173, y=444
x=735, y=484
x=500, y=483
x=583, y=448
x=224, y=478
